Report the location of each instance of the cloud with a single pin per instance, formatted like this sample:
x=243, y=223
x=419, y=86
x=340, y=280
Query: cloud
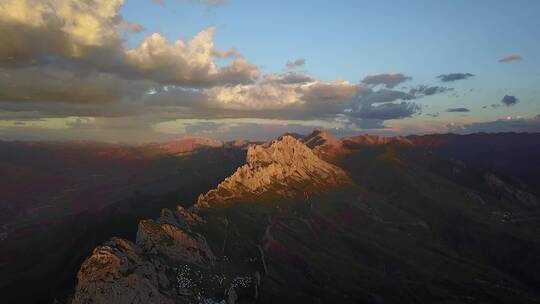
x=125, y=25
x=510, y=124
x=387, y=111
x=384, y=104
x=457, y=110
x=52, y=84
x=272, y=95
x=73, y=29
x=509, y=100
x=187, y=62
x=337, y=90
x=383, y=95
x=454, y=76
x=389, y=80
x=423, y=90
x=511, y=58
x=493, y=106
x=288, y=78
x=296, y=63
x=86, y=32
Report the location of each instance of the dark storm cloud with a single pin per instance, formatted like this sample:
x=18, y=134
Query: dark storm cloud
x=454, y=76
x=511, y=58
x=509, y=100
x=458, y=110
x=389, y=80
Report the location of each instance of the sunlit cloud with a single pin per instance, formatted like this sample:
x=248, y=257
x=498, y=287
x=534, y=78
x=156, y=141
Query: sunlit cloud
x=511, y=58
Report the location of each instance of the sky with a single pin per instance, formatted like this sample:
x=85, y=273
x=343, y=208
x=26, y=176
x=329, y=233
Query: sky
x=152, y=70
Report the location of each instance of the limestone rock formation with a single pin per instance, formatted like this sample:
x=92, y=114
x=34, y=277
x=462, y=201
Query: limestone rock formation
x=174, y=243
x=118, y=272
x=122, y=272
x=284, y=168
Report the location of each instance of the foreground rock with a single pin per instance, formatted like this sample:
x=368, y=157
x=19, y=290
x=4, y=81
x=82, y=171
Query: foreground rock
x=118, y=272
x=170, y=263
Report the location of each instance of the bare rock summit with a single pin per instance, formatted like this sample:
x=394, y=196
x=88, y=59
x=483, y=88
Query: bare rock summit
x=284, y=168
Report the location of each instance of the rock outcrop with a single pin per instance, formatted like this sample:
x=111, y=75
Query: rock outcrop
x=122, y=272
x=118, y=272
x=170, y=263
x=285, y=168
x=512, y=193
x=174, y=243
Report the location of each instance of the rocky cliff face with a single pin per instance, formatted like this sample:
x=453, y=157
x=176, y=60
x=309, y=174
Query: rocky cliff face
x=119, y=272
x=285, y=168
x=169, y=263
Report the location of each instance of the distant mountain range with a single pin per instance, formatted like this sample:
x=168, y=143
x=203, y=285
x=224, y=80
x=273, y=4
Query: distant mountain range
x=364, y=219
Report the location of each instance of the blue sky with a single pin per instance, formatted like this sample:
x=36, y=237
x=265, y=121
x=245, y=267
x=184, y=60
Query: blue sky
x=339, y=41
x=350, y=39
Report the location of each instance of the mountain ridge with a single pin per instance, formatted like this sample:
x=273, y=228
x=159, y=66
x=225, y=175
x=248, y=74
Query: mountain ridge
x=232, y=245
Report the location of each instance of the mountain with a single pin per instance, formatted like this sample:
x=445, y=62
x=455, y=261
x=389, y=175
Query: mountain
x=429, y=218
x=184, y=145
x=325, y=145
x=513, y=154
x=120, y=271
x=392, y=223
x=373, y=140
x=286, y=168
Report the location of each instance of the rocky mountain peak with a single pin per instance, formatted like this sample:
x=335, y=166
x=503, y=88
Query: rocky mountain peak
x=284, y=151
x=320, y=137
x=325, y=145
x=285, y=168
